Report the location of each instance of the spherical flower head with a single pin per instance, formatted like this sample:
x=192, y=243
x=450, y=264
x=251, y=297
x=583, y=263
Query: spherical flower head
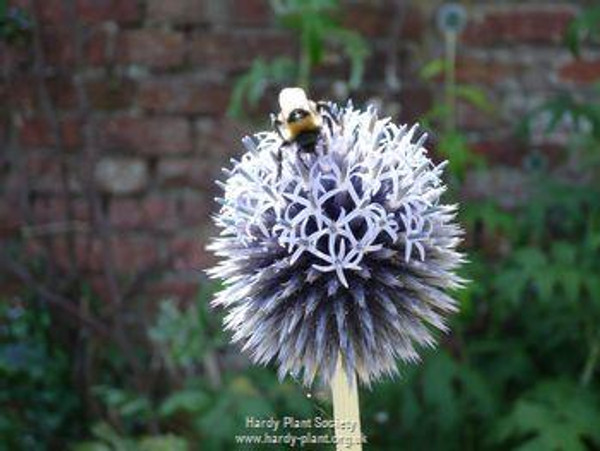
x=343, y=249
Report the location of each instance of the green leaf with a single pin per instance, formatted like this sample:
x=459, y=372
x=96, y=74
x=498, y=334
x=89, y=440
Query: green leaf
x=218, y=422
x=432, y=69
x=511, y=283
x=454, y=146
x=252, y=85
x=91, y=446
x=138, y=407
x=163, y=443
x=555, y=415
x=105, y=433
x=126, y=403
x=357, y=49
x=531, y=259
x=312, y=40
x=438, y=388
x=477, y=391
x=190, y=400
x=587, y=24
x=475, y=96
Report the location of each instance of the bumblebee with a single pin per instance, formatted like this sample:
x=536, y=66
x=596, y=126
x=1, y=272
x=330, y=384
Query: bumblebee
x=300, y=122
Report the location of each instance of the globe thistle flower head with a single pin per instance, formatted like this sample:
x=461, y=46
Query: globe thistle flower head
x=343, y=248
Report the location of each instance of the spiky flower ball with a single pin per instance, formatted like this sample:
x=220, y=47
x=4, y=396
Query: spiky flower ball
x=345, y=250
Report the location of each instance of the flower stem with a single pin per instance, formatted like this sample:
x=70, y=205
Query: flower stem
x=346, y=411
x=450, y=82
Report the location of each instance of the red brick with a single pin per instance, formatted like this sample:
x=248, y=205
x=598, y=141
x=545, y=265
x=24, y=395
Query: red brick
x=177, y=11
x=43, y=170
x=59, y=46
x=20, y=92
x=152, y=213
x=236, y=51
x=57, y=12
x=533, y=24
x=10, y=220
x=32, y=249
x=97, y=45
x=372, y=20
x=87, y=252
x=195, y=210
x=189, y=254
x=471, y=70
x=54, y=210
x=52, y=12
x=183, y=95
x=125, y=213
x=151, y=136
x=502, y=150
x=469, y=117
x=113, y=94
x=415, y=101
x=61, y=90
x=333, y=66
x=100, y=286
x=219, y=140
x=133, y=254
x=38, y=163
x=37, y=132
x=14, y=184
x=580, y=71
x=196, y=173
x=250, y=12
x=24, y=92
x=160, y=213
x=154, y=48
x=181, y=289
x=122, y=11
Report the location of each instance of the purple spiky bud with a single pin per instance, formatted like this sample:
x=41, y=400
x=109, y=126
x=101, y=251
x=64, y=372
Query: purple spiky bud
x=345, y=250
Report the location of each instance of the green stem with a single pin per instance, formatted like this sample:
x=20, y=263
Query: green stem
x=305, y=64
x=304, y=69
x=450, y=78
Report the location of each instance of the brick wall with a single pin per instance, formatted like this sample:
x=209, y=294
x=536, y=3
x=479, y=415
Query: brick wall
x=132, y=103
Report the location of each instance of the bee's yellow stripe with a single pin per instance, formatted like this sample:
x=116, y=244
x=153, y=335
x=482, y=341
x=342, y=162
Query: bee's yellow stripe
x=303, y=125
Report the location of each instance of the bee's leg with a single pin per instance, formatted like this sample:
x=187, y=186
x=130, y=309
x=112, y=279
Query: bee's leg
x=279, y=159
x=324, y=107
x=329, y=117
x=302, y=158
x=277, y=124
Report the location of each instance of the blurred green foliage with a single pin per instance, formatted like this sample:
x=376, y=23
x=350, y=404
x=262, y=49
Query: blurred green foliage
x=314, y=23
x=583, y=28
x=197, y=408
x=452, y=144
x=15, y=25
x=37, y=398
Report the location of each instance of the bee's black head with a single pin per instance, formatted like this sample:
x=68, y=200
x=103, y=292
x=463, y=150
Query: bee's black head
x=297, y=115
